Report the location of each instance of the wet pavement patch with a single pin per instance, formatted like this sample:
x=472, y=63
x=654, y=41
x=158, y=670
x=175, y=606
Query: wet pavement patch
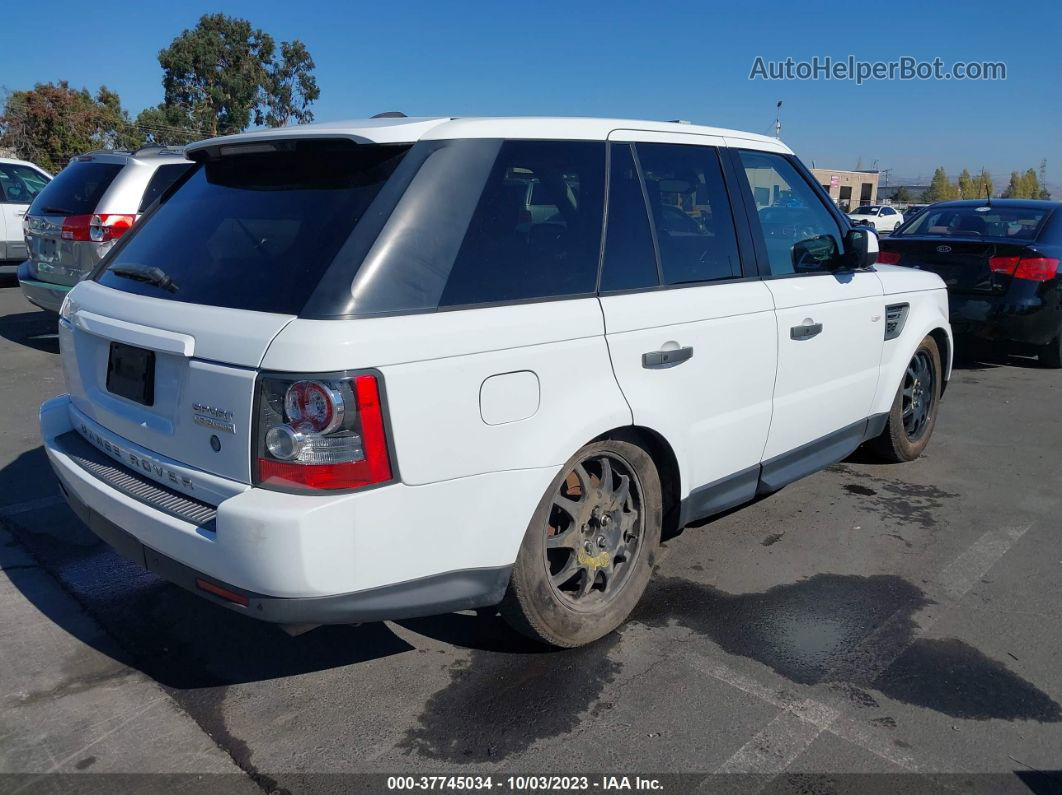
x=773, y=538
x=855, y=488
x=953, y=677
x=825, y=629
x=498, y=703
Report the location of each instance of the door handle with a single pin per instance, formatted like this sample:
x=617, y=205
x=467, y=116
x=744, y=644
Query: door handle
x=666, y=358
x=805, y=331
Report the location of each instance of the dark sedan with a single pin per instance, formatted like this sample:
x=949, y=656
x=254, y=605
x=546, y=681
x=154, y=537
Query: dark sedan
x=1000, y=261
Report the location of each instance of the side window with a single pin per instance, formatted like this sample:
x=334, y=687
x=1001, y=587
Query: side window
x=630, y=261
x=163, y=177
x=691, y=211
x=888, y=211
x=19, y=184
x=536, y=230
x=800, y=234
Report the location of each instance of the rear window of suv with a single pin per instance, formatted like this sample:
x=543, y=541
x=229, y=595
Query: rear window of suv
x=76, y=190
x=254, y=231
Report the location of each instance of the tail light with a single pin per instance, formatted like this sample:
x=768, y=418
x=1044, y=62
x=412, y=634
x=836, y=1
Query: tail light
x=324, y=433
x=1034, y=269
x=96, y=228
x=888, y=257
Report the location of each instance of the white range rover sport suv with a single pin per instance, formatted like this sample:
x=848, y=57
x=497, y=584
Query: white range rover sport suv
x=399, y=367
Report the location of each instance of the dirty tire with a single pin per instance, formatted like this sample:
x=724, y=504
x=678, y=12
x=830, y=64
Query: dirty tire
x=585, y=504
x=896, y=443
x=1050, y=355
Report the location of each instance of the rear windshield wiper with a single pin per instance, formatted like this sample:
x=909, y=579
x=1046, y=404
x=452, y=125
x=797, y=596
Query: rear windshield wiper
x=141, y=273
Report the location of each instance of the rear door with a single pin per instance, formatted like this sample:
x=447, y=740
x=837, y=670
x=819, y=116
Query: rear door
x=690, y=326
x=19, y=186
x=830, y=328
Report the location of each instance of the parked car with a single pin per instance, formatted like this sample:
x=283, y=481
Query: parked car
x=912, y=211
x=341, y=373
x=20, y=182
x=90, y=204
x=878, y=216
x=999, y=260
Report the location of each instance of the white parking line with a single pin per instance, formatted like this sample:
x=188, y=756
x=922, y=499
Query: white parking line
x=775, y=747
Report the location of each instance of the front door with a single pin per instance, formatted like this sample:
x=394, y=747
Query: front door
x=689, y=324
x=830, y=324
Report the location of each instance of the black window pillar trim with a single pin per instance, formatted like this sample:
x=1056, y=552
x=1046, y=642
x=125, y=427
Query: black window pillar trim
x=748, y=203
x=649, y=214
x=751, y=267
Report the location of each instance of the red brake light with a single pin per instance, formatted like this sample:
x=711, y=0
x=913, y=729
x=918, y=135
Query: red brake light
x=76, y=227
x=1004, y=265
x=322, y=435
x=106, y=227
x=1038, y=269
x=889, y=257
x=97, y=228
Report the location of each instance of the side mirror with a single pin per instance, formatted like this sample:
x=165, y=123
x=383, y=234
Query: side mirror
x=860, y=249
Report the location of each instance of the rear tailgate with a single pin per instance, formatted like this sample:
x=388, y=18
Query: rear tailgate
x=205, y=361
x=963, y=264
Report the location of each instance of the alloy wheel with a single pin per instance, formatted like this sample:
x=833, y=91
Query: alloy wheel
x=594, y=531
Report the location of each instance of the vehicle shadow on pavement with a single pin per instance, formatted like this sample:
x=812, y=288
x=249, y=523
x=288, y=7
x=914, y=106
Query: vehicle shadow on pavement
x=35, y=330
x=175, y=637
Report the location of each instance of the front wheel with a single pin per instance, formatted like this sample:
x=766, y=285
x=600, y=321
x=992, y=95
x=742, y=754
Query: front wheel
x=914, y=409
x=590, y=547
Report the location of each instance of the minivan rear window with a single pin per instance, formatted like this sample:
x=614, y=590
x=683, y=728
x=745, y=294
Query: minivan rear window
x=254, y=231
x=76, y=190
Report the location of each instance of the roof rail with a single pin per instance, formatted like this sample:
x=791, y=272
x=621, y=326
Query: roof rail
x=390, y=114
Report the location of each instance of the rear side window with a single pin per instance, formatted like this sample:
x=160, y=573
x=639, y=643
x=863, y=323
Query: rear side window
x=691, y=212
x=630, y=260
x=19, y=184
x=254, y=231
x=161, y=180
x=76, y=190
x=536, y=229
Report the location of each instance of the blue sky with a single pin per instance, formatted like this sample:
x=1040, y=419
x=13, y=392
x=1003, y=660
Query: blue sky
x=657, y=60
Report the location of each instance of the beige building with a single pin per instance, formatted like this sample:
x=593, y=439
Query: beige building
x=848, y=189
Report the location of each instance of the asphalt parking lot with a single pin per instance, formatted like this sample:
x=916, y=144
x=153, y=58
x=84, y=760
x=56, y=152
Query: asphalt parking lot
x=871, y=619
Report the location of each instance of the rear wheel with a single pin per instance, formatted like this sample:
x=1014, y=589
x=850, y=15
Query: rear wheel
x=590, y=548
x=1050, y=355
x=914, y=409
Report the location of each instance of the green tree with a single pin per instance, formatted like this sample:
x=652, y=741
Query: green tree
x=902, y=194
x=982, y=186
x=52, y=122
x=222, y=75
x=940, y=187
x=292, y=88
x=966, y=185
x=166, y=125
x=1032, y=184
x=1014, y=188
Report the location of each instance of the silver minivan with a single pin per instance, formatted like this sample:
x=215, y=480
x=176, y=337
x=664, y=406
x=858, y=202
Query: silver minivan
x=90, y=204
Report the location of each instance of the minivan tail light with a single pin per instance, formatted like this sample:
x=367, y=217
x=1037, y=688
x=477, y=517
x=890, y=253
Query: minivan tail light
x=98, y=228
x=888, y=257
x=323, y=433
x=109, y=226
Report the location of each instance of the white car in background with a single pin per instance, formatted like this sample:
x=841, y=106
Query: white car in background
x=350, y=371
x=878, y=216
x=20, y=182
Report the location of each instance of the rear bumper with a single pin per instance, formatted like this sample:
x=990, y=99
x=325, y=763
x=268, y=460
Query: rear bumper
x=394, y=552
x=989, y=317
x=442, y=593
x=45, y=295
